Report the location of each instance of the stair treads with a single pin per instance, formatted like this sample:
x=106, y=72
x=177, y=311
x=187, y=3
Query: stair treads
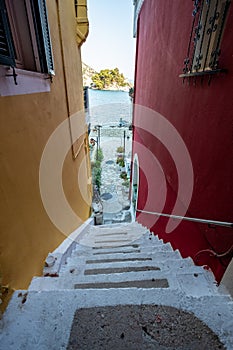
x=110, y=270
x=126, y=245
x=155, y=283
x=112, y=234
x=119, y=240
x=118, y=252
x=101, y=261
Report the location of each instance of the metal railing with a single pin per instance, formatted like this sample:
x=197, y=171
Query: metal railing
x=177, y=217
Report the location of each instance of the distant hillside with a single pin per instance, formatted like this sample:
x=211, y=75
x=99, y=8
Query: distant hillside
x=106, y=79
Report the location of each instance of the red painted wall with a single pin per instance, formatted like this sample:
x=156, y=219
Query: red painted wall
x=203, y=116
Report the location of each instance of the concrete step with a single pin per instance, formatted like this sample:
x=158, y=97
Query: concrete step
x=45, y=319
x=196, y=281
x=130, y=247
x=119, y=254
x=114, y=235
x=110, y=240
x=165, y=264
x=193, y=282
x=127, y=261
x=130, y=225
x=130, y=252
x=136, y=245
x=114, y=242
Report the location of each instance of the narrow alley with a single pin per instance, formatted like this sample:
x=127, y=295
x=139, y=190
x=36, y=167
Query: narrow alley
x=116, y=228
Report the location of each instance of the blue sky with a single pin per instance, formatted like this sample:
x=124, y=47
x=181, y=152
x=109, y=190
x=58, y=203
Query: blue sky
x=110, y=42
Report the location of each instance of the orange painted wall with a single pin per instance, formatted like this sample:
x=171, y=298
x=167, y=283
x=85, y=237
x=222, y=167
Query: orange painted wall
x=26, y=123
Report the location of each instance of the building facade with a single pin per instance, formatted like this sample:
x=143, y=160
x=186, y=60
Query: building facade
x=40, y=89
x=183, y=113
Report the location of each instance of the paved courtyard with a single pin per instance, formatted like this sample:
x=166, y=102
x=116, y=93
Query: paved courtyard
x=114, y=194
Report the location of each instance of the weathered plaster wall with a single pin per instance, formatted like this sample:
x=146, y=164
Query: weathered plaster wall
x=26, y=123
x=201, y=113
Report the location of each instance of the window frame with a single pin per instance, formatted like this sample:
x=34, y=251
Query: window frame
x=38, y=32
x=209, y=21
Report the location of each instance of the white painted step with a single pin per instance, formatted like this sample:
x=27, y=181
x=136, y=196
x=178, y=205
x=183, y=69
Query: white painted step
x=196, y=280
x=156, y=256
x=80, y=264
x=44, y=320
x=113, y=235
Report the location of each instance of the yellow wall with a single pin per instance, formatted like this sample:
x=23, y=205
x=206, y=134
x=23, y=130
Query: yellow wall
x=82, y=22
x=26, y=122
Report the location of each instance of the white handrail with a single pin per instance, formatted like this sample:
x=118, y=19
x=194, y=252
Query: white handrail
x=203, y=221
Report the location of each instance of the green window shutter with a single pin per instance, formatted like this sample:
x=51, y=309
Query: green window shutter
x=43, y=35
x=7, y=56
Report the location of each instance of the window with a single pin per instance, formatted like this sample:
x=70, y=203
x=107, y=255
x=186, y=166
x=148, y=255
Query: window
x=24, y=36
x=209, y=18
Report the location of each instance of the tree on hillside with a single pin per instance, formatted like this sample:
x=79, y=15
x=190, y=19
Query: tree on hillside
x=107, y=77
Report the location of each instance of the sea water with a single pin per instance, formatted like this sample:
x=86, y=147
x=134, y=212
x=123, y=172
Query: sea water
x=108, y=107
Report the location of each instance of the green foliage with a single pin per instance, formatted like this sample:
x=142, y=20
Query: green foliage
x=120, y=149
x=97, y=164
x=123, y=175
x=120, y=161
x=131, y=92
x=96, y=173
x=99, y=155
x=126, y=183
x=96, y=169
x=107, y=77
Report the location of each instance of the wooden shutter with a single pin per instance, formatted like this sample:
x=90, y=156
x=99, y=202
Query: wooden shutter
x=43, y=35
x=7, y=56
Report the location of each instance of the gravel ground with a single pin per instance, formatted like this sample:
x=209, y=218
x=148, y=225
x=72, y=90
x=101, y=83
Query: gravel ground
x=140, y=327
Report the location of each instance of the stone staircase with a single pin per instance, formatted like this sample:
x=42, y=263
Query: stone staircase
x=113, y=265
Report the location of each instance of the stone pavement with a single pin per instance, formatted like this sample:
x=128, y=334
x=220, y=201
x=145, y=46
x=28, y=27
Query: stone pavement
x=121, y=288
x=118, y=195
